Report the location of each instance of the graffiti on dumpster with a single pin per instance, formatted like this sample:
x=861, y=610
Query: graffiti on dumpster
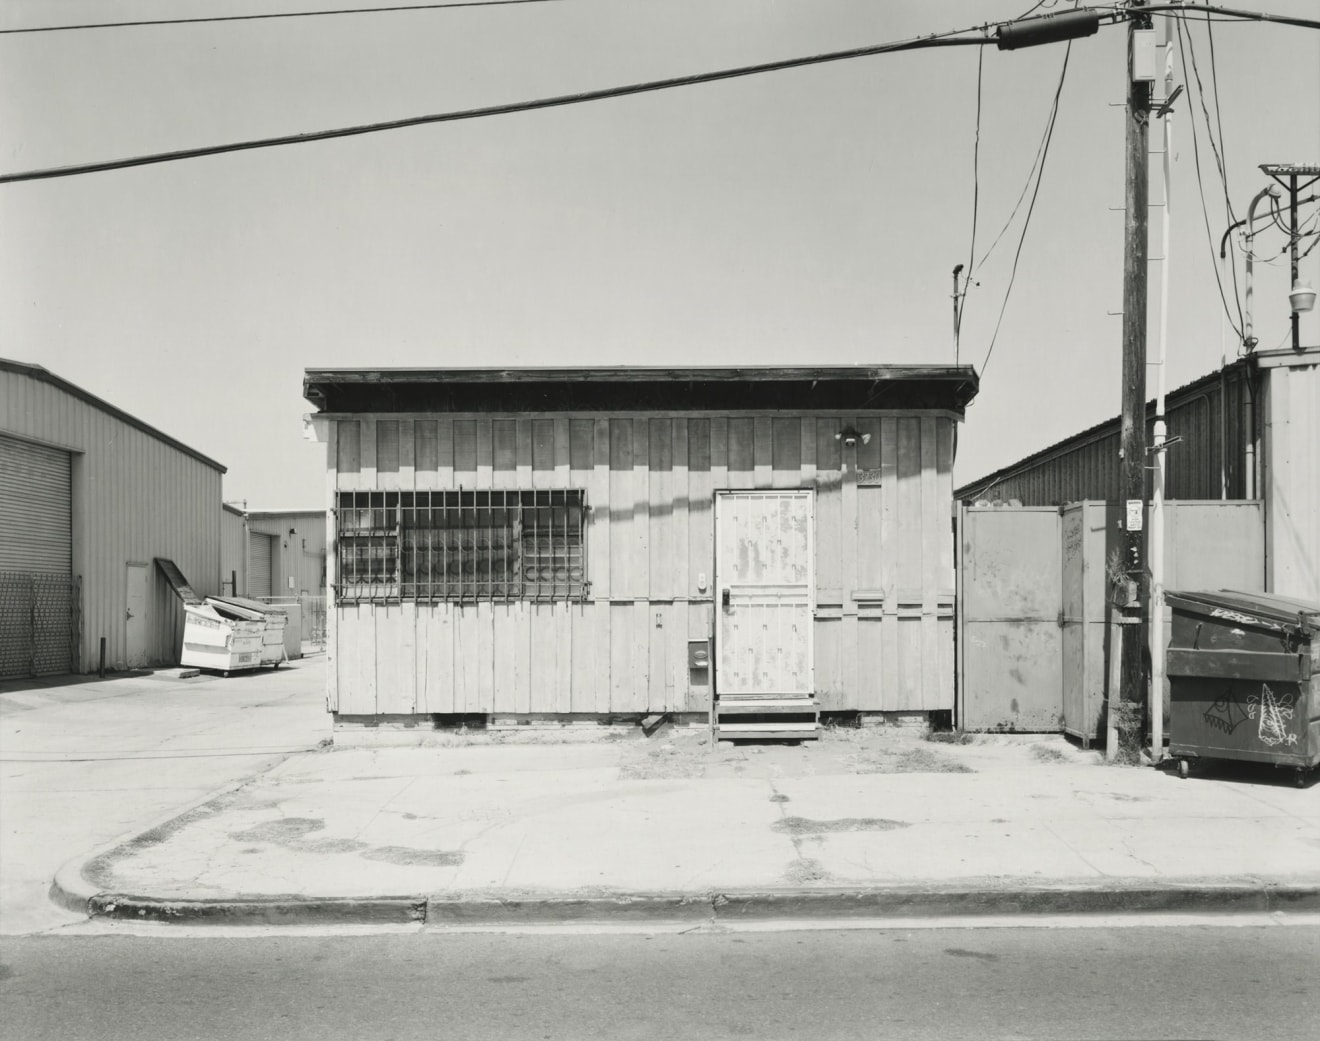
x=1274, y=711
x=1248, y=619
x=1226, y=714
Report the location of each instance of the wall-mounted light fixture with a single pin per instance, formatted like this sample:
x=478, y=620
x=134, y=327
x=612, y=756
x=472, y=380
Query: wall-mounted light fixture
x=850, y=436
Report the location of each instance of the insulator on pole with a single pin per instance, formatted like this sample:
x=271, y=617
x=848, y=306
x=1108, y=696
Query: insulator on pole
x=1050, y=28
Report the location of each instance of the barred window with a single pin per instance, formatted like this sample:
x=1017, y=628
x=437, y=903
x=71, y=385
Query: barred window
x=461, y=546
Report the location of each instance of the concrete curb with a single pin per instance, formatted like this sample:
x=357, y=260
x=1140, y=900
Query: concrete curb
x=710, y=908
x=73, y=891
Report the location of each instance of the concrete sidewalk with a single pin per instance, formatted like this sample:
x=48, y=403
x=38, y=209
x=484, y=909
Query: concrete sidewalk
x=493, y=829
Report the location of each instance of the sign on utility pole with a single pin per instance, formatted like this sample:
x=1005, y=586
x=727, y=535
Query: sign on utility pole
x=1132, y=680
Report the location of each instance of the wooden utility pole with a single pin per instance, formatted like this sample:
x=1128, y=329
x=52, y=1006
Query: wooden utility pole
x=1132, y=679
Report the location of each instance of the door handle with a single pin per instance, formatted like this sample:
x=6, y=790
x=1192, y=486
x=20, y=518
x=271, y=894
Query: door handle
x=724, y=597
x=128, y=613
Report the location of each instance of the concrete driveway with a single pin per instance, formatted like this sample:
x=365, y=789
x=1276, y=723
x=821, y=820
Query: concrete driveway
x=83, y=761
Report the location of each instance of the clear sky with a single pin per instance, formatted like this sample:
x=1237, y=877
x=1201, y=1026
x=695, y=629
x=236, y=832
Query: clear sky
x=810, y=216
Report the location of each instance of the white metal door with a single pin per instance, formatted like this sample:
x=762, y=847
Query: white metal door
x=135, y=625
x=765, y=589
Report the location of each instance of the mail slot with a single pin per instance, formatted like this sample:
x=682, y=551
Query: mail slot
x=698, y=654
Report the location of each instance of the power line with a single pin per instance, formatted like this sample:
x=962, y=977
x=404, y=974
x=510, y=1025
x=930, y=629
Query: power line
x=1205, y=214
x=976, y=196
x=945, y=39
x=1230, y=12
x=272, y=15
x=1026, y=186
x=1049, y=134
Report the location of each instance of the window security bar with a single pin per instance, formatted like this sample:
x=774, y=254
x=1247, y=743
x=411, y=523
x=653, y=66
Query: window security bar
x=462, y=546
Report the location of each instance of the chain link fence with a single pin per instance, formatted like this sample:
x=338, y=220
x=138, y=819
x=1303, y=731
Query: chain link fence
x=312, y=615
x=40, y=622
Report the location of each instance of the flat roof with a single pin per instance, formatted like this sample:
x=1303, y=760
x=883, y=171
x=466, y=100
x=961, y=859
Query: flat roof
x=627, y=387
x=44, y=375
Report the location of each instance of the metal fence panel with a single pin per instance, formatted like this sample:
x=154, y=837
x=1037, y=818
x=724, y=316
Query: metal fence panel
x=38, y=624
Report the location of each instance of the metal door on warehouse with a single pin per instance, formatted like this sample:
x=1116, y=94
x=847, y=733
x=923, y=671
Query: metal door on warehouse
x=765, y=588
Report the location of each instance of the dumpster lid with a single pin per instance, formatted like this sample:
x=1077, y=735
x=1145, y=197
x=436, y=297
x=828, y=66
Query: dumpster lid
x=1266, y=609
x=253, y=610
x=177, y=582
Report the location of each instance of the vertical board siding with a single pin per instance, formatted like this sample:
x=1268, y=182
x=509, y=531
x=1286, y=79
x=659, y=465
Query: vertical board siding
x=883, y=565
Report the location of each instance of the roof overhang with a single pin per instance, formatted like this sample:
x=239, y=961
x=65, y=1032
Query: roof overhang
x=636, y=388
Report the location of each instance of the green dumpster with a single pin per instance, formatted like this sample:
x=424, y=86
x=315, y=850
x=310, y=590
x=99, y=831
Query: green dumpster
x=1243, y=680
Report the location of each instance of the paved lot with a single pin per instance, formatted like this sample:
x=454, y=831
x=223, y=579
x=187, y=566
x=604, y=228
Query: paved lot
x=84, y=761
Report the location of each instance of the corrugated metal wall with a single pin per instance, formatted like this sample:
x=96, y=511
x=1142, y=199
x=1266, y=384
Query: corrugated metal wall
x=884, y=561
x=1292, y=473
x=1209, y=462
x=233, y=552
x=298, y=550
x=135, y=498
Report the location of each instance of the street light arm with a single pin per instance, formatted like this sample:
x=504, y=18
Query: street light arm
x=1273, y=192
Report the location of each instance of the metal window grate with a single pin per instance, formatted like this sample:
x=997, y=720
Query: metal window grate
x=462, y=546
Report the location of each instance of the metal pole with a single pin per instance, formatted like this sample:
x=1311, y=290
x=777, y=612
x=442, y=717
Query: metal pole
x=956, y=272
x=1133, y=434
x=1248, y=339
x=1292, y=252
x=1157, y=446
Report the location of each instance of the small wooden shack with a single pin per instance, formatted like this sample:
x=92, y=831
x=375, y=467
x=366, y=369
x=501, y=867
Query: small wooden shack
x=622, y=542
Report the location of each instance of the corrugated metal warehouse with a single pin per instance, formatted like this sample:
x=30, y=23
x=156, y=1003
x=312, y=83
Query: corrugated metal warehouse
x=563, y=542
x=89, y=497
x=287, y=552
x=1249, y=431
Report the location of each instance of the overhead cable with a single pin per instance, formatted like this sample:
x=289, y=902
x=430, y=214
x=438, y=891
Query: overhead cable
x=1205, y=213
x=271, y=15
x=953, y=38
x=1026, y=223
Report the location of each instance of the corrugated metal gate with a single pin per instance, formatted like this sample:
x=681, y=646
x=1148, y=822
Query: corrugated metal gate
x=38, y=596
x=1011, y=603
x=35, y=519
x=39, y=620
x=259, y=564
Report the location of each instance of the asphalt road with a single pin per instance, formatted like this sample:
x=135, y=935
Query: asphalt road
x=1131, y=982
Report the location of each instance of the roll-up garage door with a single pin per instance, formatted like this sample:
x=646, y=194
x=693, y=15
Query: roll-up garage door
x=259, y=551
x=35, y=527
x=38, y=631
